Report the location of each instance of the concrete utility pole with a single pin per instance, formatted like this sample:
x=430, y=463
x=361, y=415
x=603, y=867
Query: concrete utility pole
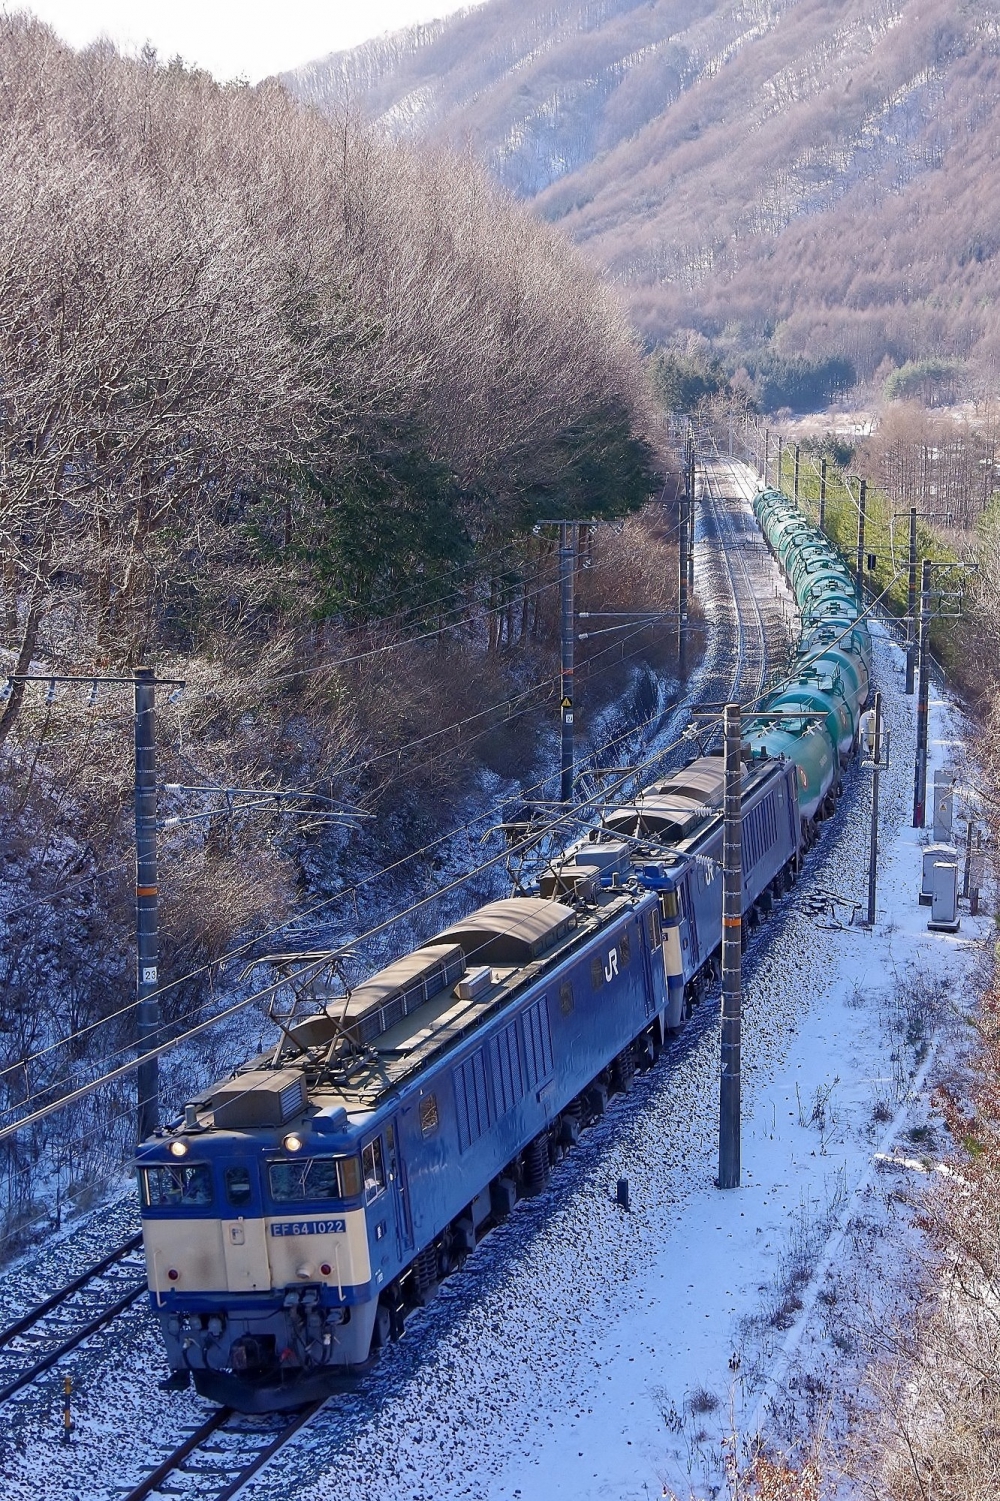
x=822, y=494
x=911, y=602
x=876, y=755
x=780, y=464
x=692, y=470
x=795, y=476
x=146, y=935
x=690, y=542
x=860, y=561
x=763, y=468
x=923, y=694
x=148, y=1019
x=682, y=578
x=568, y=539
x=732, y=954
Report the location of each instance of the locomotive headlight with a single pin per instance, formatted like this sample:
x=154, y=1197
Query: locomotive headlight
x=178, y=1148
x=292, y=1142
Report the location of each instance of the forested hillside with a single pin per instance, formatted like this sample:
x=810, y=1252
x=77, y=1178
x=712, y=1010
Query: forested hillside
x=816, y=176
x=282, y=402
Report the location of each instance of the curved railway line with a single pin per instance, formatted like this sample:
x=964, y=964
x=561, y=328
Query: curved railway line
x=213, y=1461
x=752, y=634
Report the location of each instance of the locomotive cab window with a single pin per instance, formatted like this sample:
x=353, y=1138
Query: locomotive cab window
x=653, y=931
x=177, y=1187
x=670, y=903
x=300, y=1179
x=374, y=1169
x=238, y=1189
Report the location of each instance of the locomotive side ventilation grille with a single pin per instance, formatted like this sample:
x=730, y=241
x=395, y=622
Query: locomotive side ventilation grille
x=384, y=1000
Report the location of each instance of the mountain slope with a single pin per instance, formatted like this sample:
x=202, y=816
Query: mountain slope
x=823, y=173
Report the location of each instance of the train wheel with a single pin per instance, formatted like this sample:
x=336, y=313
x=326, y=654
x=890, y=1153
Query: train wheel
x=645, y=1051
x=570, y=1122
x=597, y=1099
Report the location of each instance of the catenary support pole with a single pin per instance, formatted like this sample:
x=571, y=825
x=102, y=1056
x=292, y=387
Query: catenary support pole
x=822, y=494
x=779, y=464
x=876, y=768
x=859, y=570
x=692, y=473
x=568, y=534
x=911, y=603
x=146, y=935
x=732, y=955
x=682, y=580
x=795, y=476
x=763, y=467
x=923, y=695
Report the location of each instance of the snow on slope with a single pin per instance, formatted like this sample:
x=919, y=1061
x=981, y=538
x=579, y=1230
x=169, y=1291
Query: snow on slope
x=600, y=1357
x=591, y=1354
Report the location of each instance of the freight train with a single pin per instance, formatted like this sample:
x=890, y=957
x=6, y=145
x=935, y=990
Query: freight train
x=298, y=1210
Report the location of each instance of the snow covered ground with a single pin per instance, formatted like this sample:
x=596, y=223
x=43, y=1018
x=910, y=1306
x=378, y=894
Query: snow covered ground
x=590, y=1353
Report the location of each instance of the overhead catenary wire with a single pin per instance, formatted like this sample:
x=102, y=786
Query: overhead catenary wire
x=242, y=949
x=126, y=1068
x=168, y=1026
x=467, y=875
x=376, y=651
x=103, y=1021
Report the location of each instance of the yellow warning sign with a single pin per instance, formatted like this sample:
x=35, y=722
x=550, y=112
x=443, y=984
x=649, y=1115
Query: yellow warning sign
x=567, y=703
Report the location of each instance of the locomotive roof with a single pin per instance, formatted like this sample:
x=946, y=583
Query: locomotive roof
x=513, y=931
x=677, y=810
x=518, y=939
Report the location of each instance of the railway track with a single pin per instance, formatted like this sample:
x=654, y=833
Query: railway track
x=734, y=566
x=739, y=533
x=213, y=1462
x=54, y=1327
x=736, y=583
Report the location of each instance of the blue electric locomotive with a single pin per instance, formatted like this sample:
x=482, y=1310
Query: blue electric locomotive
x=300, y=1207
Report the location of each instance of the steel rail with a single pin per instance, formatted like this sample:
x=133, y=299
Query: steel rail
x=97, y=1320
x=171, y=1468
x=746, y=608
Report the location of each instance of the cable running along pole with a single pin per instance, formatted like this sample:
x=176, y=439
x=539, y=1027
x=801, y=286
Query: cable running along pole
x=692, y=475
x=860, y=560
x=732, y=955
x=923, y=694
x=568, y=535
x=146, y=935
x=911, y=602
x=682, y=578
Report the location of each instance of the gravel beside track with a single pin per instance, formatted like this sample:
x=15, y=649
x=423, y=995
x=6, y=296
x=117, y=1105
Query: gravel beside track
x=480, y=1371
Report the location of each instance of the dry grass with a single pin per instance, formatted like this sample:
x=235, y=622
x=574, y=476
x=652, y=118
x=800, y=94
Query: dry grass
x=934, y=1434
